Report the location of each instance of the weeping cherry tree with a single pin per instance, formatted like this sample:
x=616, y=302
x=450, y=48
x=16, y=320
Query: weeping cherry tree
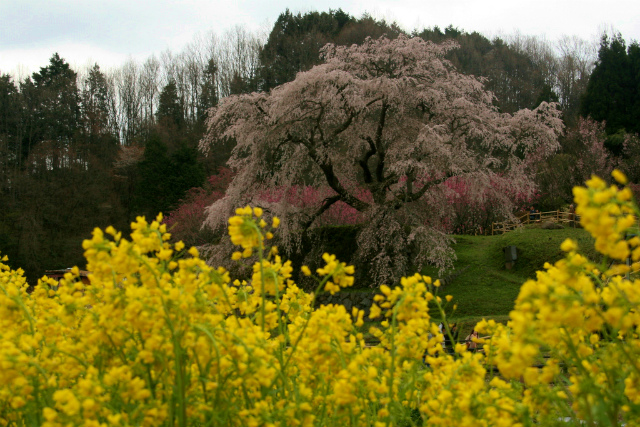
x=381, y=127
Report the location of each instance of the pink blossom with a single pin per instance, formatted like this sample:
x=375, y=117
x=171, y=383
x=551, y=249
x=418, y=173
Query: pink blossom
x=372, y=136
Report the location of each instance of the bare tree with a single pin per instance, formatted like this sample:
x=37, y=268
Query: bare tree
x=194, y=61
x=238, y=57
x=149, y=88
x=576, y=61
x=127, y=83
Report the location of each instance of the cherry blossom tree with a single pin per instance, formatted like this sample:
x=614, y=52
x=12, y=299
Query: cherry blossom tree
x=383, y=125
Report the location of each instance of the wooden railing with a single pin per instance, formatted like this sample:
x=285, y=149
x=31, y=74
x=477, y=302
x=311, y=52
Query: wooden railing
x=559, y=217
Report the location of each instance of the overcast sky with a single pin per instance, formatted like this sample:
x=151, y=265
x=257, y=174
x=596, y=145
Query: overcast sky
x=111, y=31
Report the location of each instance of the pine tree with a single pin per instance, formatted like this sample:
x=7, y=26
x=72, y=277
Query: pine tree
x=170, y=110
x=613, y=91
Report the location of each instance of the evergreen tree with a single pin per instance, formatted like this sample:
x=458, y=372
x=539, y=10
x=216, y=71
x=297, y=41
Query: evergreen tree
x=613, y=91
x=209, y=91
x=95, y=102
x=239, y=85
x=97, y=137
x=294, y=44
x=59, y=102
x=10, y=122
x=170, y=111
x=152, y=191
x=166, y=177
x=10, y=158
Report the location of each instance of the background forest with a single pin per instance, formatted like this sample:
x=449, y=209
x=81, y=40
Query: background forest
x=92, y=147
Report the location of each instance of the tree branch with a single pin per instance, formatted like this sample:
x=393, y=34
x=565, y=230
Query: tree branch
x=344, y=126
x=364, y=161
x=379, y=147
x=409, y=196
x=334, y=183
x=326, y=204
x=368, y=178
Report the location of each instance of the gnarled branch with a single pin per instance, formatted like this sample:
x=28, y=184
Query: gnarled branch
x=326, y=204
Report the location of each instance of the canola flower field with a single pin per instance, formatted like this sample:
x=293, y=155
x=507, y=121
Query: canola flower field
x=160, y=338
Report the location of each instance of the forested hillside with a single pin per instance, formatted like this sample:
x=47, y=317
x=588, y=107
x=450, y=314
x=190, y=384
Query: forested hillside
x=93, y=147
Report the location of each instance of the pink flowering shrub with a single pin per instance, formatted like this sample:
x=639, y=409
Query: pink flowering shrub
x=186, y=221
x=594, y=158
x=305, y=197
x=583, y=154
x=473, y=214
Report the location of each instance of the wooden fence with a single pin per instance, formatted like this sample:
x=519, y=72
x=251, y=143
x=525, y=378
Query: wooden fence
x=558, y=217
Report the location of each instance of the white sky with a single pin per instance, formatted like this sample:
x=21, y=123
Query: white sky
x=111, y=31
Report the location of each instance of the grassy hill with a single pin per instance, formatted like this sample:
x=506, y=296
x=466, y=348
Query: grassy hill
x=482, y=286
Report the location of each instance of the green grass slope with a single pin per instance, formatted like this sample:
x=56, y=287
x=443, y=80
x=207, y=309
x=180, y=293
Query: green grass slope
x=482, y=286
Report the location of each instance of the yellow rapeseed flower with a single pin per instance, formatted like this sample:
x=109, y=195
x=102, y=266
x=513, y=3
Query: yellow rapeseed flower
x=158, y=338
x=620, y=177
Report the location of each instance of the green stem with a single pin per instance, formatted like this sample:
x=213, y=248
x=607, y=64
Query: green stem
x=304, y=328
x=179, y=387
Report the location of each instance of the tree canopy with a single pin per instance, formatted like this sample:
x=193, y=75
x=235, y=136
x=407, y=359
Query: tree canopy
x=613, y=91
x=382, y=126
x=295, y=41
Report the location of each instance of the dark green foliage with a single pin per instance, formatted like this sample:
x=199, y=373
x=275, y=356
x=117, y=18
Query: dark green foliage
x=546, y=94
x=10, y=124
x=209, y=92
x=294, y=44
x=514, y=77
x=555, y=181
x=615, y=142
x=613, y=91
x=239, y=85
x=357, y=30
x=56, y=103
x=170, y=111
x=165, y=177
x=98, y=140
x=9, y=106
x=43, y=223
x=95, y=107
x=295, y=41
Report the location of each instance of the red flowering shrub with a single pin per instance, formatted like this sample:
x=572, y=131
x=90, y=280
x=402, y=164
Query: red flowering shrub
x=186, y=221
x=473, y=213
